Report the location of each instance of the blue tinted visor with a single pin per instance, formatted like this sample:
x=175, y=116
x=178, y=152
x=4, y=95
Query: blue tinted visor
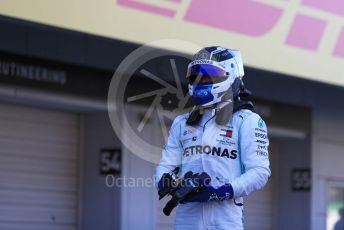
x=205, y=73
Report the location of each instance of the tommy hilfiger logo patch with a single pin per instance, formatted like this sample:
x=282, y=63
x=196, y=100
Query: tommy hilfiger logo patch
x=226, y=132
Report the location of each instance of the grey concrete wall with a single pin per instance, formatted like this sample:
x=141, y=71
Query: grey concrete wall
x=100, y=205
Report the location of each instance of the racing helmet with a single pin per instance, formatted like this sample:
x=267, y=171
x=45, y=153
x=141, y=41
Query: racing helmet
x=211, y=74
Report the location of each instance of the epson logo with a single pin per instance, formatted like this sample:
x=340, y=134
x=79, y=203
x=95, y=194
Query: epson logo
x=260, y=135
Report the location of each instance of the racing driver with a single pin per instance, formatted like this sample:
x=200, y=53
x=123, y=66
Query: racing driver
x=221, y=136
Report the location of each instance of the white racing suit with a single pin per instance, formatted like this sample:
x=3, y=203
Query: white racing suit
x=236, y=153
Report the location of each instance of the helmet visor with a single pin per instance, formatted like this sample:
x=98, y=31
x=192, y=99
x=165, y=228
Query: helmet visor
x=206, y=74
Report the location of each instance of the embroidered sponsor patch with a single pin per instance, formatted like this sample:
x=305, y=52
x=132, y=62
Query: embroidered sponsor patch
x=226, y=132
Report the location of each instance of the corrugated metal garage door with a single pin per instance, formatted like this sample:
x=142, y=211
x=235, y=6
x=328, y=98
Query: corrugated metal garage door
x=38, y=168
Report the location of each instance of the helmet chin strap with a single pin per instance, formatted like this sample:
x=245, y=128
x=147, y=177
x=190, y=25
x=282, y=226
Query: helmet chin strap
x=226, y=108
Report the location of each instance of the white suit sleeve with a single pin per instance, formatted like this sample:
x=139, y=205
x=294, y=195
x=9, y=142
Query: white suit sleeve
x=172, y=151
x=253, y=143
